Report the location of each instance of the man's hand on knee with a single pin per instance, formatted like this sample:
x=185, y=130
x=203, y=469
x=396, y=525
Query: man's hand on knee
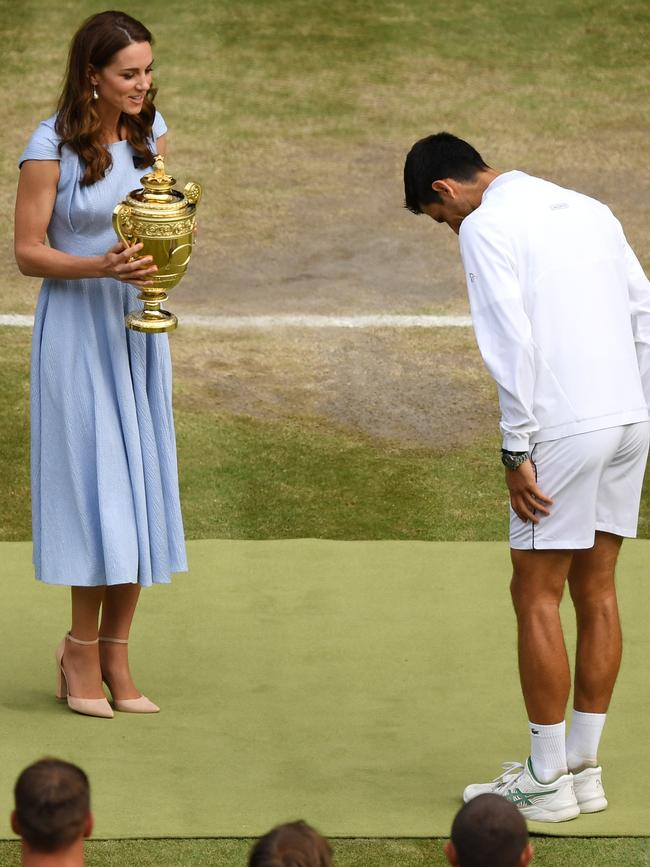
x=525, y=497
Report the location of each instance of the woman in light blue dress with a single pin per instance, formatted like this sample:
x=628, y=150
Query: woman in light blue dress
x=105, y=503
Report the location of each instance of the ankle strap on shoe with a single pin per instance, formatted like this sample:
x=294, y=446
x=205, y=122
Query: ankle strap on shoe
x=114, y=640
x=74, y=640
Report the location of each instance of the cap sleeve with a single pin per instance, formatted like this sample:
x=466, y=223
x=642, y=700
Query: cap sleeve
x=159, y=127
x=43, y=145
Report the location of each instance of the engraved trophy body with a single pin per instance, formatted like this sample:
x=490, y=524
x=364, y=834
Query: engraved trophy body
x=163, y=220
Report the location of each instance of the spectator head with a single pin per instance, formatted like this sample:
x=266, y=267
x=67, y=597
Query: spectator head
x=52, y=806
x=489, y=831
x=295, y=844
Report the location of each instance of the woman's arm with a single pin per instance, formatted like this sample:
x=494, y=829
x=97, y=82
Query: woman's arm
x=34, y=205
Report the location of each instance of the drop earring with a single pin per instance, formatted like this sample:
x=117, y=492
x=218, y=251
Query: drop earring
x=95, y=94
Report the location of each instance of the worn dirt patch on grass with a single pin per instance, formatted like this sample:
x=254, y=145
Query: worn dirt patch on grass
x=416, y=388
x=342, y=243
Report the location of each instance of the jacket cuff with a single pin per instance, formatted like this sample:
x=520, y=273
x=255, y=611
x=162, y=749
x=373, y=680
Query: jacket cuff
x=516, y=443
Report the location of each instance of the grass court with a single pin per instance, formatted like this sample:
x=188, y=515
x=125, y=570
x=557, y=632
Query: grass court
x=296, y=116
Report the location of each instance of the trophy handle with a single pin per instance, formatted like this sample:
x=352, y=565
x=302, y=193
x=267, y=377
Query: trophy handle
x=122, y=223
x=193, y=193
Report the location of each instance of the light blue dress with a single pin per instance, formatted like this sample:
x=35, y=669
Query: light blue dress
x=105, y=501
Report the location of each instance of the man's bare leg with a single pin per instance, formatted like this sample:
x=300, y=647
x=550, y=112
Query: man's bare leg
x=598, y=653
x=537, y=586
x=542, y=787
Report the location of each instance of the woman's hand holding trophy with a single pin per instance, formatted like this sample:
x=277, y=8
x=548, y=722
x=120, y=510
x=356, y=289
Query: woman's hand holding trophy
x=123, y=263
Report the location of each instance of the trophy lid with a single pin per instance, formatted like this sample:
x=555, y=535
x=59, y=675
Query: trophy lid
x=158, y=200
x=158, y=185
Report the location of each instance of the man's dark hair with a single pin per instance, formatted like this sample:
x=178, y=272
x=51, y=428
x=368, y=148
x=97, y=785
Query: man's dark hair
x=435, y=158
x=295, y=844
x=489, y=831
x=52, y=804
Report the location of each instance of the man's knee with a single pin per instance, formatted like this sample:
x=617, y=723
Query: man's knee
x=530, y=595
x=592, y=575
x=594, y=595
x=518, y=592
x=538, y=578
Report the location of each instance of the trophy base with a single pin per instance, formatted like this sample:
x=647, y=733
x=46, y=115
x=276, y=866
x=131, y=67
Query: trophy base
x=151, y=322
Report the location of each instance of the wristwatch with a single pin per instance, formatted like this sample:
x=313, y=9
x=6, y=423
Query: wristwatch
x=512, y=460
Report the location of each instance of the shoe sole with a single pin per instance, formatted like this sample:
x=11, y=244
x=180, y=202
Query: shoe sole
x=596, y=805
x=536, y=815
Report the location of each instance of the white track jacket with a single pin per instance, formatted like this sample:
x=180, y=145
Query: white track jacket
x=561, y=310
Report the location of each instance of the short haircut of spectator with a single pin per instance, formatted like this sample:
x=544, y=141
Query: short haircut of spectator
x=52, y=804
x=295, y=844
x=489, y=831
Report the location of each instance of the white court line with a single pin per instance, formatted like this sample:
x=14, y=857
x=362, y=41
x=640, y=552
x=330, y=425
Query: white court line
x=241, y=323
x=16, y=320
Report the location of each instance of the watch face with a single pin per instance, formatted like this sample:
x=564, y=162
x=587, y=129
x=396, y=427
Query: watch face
x=513, y=461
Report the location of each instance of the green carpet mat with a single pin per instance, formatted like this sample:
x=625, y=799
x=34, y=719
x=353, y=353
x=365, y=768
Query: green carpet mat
x=357, y=685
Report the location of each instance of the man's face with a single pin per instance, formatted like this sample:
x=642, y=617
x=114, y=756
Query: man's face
x=445, y=213
x=457, y=203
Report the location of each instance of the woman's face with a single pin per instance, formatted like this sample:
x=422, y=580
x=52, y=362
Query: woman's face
x=124, y=83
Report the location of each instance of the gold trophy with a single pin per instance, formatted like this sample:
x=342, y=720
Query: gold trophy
x=162, y=219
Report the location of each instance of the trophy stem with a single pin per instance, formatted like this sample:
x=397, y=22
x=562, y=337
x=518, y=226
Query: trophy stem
x=152, y=319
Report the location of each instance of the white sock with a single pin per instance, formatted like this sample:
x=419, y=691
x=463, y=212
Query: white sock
x=548, y=751
x=583, y=739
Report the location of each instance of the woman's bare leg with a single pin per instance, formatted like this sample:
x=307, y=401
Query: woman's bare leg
x=81, y=661
x=120, y=601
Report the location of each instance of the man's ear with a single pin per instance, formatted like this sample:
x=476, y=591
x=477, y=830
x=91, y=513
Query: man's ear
x=90, y=824
x=444, y=188
x=15, y=827
x=526, y=856
x=450, y=852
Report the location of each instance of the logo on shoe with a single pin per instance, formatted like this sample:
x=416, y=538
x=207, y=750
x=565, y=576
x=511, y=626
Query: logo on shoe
x=523, y=799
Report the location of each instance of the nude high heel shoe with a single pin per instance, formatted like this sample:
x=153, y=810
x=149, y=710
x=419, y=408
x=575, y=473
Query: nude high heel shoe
x=130, y=705
x=89, y=706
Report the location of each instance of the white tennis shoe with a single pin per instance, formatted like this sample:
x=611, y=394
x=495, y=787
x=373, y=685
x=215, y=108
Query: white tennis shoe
x=588, y=785
x=539, y=802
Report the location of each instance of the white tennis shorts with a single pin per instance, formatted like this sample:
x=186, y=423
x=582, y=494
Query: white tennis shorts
x=594, y=480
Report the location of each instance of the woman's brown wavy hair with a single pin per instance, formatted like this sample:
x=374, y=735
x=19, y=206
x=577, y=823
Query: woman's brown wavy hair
x=95, y=44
